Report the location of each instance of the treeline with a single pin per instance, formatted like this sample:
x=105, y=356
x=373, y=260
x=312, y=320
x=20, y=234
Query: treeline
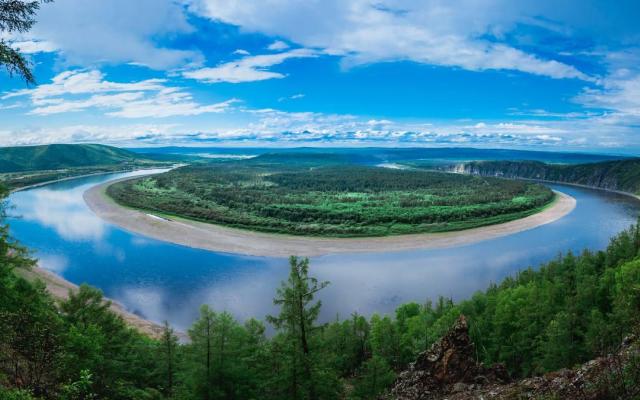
x=332, y=201
x=622, y=175
x=568, y=311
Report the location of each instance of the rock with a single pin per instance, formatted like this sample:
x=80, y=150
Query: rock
x=449, y=366
x=448, y=370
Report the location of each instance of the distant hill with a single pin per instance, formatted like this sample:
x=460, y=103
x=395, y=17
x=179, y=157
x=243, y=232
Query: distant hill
x=419, y=156
x=59, y=156
x=622, y=175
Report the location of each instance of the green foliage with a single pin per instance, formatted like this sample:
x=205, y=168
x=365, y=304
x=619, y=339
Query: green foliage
x=623, y=175
x=374, y=377
x=309, y=378
x=331, y=201
x=17, y=16
x=59, y=156
x=564, y=313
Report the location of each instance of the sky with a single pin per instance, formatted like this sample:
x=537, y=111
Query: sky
x=543, y=74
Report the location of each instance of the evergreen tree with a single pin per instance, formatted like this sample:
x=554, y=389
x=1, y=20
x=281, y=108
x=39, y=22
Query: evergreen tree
x=375, y=376
x=296, y=320
x=168, y=359
x=17, y=16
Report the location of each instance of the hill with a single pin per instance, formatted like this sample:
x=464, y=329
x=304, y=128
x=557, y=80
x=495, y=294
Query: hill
x=621, y=175
x=376, y=155
x=60, y=156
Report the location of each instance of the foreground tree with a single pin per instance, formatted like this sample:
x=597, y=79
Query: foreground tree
x=168, y=359
x=297, y=318
x=17, y=16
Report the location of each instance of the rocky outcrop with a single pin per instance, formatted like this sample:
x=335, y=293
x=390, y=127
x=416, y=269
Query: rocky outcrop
x=448, y=370
x=623, y=175
x=449, y=366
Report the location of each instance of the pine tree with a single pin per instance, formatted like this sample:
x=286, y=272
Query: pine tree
x=297, y=318
x=168, y=352
x=17, y=16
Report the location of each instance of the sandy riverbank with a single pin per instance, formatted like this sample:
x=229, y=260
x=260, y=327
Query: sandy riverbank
x=219, y=238
x=59, y=289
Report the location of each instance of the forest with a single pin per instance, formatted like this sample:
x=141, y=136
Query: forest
x=620, y=175
x=556, y=315
x=311, y=195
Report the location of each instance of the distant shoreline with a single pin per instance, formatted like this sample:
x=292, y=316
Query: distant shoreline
x=69, y=178
x=231, y=240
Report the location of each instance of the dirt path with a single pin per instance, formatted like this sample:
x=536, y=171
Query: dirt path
x=223, y=239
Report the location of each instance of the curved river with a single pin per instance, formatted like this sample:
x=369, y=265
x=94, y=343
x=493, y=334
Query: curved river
x=162, y=281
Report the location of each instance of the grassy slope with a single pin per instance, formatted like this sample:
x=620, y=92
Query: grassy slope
x=621, y=175
x=59, y=156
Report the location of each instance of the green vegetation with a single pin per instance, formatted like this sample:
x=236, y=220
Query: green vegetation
x=568, y=311
x=307, y=198
x=60, y=156
x=29, y=165
x=16, y=17
x=623, y=175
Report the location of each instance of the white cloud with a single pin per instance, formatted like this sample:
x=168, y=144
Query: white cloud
x=247, y=69
x=270, y=127
x=438, y=32
x=292, y=97
x=83, y=82
x=118, y=134
x=241, y=52
x=34, y=46
x=149, y=98
x=619, y=92
x=116, y=31
x=169, y=102
x=278, y=45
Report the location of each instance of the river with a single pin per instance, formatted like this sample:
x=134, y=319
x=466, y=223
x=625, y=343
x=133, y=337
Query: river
x=162, y=281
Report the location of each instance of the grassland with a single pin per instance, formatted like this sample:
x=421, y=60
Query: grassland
x=333, y=200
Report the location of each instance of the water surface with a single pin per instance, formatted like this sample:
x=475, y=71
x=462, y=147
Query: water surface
x=162, y=281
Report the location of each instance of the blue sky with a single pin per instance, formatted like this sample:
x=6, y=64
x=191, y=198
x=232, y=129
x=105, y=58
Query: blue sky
x=557, y=75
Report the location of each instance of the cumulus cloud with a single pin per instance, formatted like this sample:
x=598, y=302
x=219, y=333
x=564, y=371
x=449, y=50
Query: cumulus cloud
x=619, y=92
x=34, y=46
x=147, y=98
x=436, y=32
x=116, y=31
x=270, y=127
x=247, y=69
x=117, y=134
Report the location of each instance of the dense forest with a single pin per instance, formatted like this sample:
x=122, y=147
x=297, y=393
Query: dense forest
x=329, y=200
x=562, y=313
x=622, y=175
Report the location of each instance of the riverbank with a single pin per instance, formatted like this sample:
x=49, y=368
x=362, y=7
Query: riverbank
x=59, y=289
x=72, y=177
x=230, y=240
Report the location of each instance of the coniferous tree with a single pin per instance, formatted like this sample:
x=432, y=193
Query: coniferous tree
x=168, y=360
x=297, y=318
x=17, y=16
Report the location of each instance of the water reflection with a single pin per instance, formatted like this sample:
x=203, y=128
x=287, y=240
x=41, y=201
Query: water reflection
x=163, y=281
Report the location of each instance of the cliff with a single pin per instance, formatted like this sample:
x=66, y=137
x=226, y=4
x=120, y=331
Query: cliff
x=623, y=175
